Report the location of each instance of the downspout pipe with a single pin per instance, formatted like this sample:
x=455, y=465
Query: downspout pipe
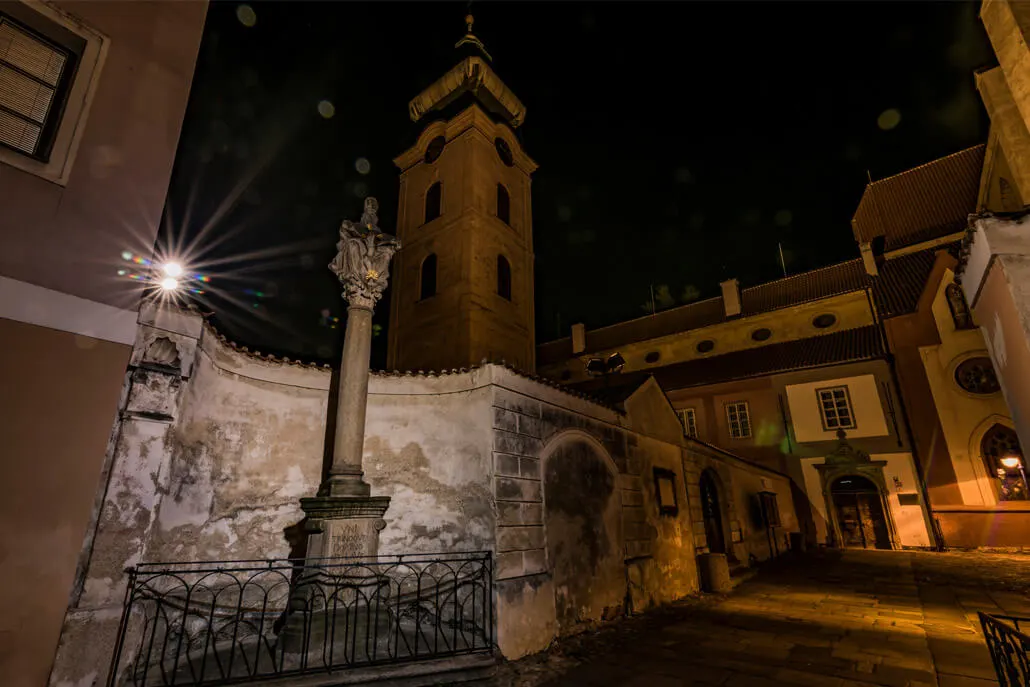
x=938, y=543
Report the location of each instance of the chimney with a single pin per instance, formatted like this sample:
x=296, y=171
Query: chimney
x=868, y=258
x=579, y=338
x=731, y=297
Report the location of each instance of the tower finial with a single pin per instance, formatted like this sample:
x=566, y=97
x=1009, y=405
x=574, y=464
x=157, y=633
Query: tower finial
x=469, y=38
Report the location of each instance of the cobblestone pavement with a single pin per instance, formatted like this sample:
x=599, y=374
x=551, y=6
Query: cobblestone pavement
x=899, y=619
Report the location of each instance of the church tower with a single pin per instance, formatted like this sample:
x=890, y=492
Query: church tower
x=463, y=283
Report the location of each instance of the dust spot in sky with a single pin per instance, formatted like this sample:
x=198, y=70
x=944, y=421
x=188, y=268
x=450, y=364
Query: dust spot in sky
x=246, y=15
x=783, y=218
x=326, y=109
x=888, y=119
x=362, y=165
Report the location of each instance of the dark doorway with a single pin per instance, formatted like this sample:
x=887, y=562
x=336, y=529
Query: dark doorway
x=860, y=513
x=712, y=513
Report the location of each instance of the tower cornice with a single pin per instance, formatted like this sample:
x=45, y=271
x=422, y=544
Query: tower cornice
x=474, y=75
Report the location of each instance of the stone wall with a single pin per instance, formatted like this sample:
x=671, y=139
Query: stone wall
x=216, y=446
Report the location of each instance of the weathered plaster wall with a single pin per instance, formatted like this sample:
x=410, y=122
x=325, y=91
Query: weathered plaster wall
x=428, y=447
x=247, y=445
x=216, y=448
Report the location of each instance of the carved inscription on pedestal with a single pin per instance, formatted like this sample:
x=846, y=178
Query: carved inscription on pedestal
x=351, y=538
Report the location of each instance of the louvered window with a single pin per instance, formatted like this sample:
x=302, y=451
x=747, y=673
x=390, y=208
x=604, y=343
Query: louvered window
x=34, y=76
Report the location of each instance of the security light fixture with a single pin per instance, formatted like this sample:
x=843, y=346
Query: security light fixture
x=596, y=367
x=169, y=284
x=173, y=269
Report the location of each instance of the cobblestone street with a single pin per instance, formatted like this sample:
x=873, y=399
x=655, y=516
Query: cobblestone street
x=901, y=619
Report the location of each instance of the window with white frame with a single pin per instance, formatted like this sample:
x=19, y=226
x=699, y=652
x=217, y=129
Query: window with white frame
x=50, y=64
x=835, y=408
x=738, y=420
x=36, y=71
x=689, y=421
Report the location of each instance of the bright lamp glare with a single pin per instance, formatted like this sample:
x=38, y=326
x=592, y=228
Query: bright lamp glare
x=1011, y=462
x=169, y=284
x=173, y=269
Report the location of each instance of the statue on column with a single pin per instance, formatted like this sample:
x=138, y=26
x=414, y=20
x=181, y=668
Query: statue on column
x=362, y=262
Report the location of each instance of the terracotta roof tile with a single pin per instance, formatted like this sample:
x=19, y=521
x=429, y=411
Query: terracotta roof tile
x=849, y=345
x=801, y=288
x=672, y=321
x=922, y=203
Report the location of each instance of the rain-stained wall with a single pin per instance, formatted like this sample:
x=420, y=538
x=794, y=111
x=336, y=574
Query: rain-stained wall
x=217, y=446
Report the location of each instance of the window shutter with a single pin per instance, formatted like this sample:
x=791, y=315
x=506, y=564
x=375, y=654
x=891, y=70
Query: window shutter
x=30, y=71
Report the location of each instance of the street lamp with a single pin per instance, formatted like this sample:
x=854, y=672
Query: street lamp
x=1014, y=461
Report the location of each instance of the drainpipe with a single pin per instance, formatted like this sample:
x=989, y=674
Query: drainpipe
x=938, y=539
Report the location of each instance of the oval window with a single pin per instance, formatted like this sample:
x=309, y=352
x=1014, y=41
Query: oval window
x=825, y=320
x=762, y=334
x=435, y=148
x=976, y=376
x=705, y=346
x=652, y=357
x=566, y=375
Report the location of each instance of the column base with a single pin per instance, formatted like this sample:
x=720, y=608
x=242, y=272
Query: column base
x=344, y=526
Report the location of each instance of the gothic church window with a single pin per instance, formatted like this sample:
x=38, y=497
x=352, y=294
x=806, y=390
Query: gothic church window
x=503, y=204
x=1003, y=459
x=428, y=277
x=434, y=197
x=503, y=277
x=958, y=306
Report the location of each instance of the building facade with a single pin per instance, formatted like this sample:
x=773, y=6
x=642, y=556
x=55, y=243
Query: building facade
x=92, y=99
x=883, y=348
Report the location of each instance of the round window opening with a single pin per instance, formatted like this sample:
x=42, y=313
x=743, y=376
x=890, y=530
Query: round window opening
x=652, y=357
x=762, y=334
x=825, y=320
x=976, y=376
x=504, y=151
x=705, y=346
x=435, y=148
x=566, y=375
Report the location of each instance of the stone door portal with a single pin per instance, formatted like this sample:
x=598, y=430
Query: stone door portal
x=860, y=513
x=712, y=514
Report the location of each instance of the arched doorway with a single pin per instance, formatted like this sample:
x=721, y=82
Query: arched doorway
x=860, y=517
x=712, y=513
x=583, y=524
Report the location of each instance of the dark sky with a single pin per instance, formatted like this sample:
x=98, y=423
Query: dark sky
x=678, y=143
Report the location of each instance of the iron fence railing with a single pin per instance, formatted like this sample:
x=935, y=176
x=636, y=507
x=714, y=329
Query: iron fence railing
x=1009, y=646
x=218, y=623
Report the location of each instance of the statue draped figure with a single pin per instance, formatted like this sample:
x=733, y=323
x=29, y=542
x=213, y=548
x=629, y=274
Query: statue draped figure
x=362, y=262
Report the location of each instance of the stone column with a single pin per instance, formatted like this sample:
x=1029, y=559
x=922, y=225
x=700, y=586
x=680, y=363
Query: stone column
x=344, y=519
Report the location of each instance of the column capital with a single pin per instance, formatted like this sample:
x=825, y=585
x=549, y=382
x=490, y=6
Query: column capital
x=362, y=263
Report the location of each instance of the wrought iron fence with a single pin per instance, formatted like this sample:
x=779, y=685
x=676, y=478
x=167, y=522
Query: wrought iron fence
x=217, y=623
x=1009, y=647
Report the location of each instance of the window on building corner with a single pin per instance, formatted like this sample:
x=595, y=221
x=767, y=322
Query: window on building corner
x=503, y=204
x=738, y=420
x=434, y=198
x=503, y=277
x=835, y=408
x=688, y=418
x=428, y=277
x=36, y=72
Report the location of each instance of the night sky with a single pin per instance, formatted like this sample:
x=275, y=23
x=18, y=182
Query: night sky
x=678, y=144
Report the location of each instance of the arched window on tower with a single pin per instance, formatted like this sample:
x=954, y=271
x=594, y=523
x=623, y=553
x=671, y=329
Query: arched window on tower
x=428, y=277
x=433, y=199
x=1003, y=459
x=503, y=277
x=503, y=204
x=958, y=306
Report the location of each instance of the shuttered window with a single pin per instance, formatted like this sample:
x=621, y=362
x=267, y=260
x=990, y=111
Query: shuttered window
x=34, y=74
